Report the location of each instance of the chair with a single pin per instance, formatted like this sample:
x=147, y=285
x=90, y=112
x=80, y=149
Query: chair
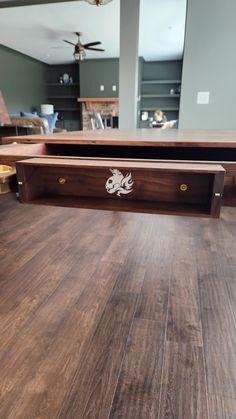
x=95, y=120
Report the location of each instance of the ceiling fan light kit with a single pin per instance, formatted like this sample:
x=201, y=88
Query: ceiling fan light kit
x=98, y=2
x=79, y=48
x=79, y=56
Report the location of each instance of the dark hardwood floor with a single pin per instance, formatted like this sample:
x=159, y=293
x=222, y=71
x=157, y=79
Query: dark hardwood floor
x=116, y=315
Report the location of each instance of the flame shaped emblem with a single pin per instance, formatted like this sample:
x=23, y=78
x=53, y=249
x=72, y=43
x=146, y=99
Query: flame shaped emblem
x=118, y=183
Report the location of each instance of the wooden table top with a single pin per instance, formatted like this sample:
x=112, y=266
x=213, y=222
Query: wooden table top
x=139, y=138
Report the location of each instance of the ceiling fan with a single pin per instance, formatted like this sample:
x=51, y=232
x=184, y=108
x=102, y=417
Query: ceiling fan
x=79, y=51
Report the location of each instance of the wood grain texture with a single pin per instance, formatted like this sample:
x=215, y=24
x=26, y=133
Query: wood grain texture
x=125, y=164
x=184, y=323
x=185, y=147
x=157, y=187
x=216, y=272
x=222, y=407
x=138, y=389
x=183, y=370
x=140, y=137
x=104, y=357
x=14, y=152
x=116, y=315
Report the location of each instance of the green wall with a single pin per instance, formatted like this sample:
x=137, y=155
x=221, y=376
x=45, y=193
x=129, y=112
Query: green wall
x=168, y=70
x=22, y=81
x=96, y=72
x=209, y=65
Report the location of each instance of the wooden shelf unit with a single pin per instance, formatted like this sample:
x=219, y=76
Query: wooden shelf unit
x=166, y=188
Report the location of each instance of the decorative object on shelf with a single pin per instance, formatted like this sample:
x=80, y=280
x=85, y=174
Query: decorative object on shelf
x=144, y=116
x=60, y=80
x=79, y=51
x=172, y=91
x=70, y=80
x=66, y=78
x=98, y=2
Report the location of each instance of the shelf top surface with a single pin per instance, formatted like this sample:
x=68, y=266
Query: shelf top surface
x=63, y=84
x=138, y=138
x=93, y=163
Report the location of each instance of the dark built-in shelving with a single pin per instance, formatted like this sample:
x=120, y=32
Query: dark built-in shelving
x=156, y=94
x=63, y=84
x=161, y=81
x=64, y=96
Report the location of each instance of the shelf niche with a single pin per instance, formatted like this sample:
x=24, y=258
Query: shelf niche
x=64, y=96
x=159, y=78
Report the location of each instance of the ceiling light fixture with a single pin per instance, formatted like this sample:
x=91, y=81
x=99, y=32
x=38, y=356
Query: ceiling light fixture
x=98, y=2
x=80, y=55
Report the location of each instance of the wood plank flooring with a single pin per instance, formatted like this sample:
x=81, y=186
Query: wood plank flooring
x=109, y=315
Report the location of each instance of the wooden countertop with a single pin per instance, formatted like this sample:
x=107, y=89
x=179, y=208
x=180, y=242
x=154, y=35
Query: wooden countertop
x=138, y=138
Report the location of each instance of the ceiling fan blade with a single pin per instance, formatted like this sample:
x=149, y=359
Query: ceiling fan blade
x=68, y=42
x=94, y=49
x=91, y=44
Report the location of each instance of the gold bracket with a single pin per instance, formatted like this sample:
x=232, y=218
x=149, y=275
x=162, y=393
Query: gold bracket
x=183, y=187
x=61, y=180
x=217, y=194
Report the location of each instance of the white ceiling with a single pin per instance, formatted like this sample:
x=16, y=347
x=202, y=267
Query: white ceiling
x=38, y=30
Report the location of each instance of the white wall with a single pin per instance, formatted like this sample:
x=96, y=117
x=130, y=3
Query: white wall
x=209, y=65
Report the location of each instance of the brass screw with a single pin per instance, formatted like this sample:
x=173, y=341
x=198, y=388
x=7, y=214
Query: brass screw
x=183, y=187
x=61, y=180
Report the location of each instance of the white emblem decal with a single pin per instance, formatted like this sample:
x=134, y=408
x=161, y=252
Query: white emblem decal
x=119, y=183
